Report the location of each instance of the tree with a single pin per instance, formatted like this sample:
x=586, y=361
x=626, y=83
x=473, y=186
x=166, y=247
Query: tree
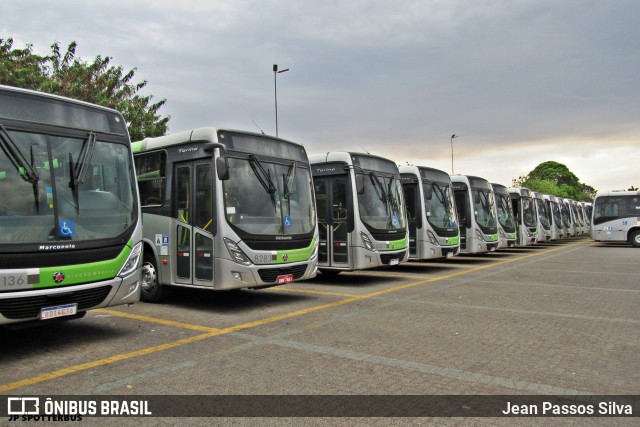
x=556, y=179
x=97, y=82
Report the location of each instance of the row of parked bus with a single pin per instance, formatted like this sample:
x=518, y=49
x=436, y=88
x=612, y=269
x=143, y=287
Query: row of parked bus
x=90, y=219
x=271, y=215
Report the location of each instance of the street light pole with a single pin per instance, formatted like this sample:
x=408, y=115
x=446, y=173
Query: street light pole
x=275, y=90
x=452, y=136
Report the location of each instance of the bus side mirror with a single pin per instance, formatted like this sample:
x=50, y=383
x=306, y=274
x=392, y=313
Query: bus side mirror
x=359, y=183
x=428, y=190
x=222, y=168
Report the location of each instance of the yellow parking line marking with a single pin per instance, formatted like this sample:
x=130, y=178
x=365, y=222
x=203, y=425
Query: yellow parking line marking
x=101, y=362
x=157, y=320
x=215, y=332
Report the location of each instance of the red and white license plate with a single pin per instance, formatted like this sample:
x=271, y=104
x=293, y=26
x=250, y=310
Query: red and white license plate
x=58, y=311
x=283, y=280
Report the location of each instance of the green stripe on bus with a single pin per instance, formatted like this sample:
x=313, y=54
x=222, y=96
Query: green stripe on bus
x=397, y=244
x=136, y=147
x=296, y=255
x=493, y=238
x=453, y=240
x=83, y=273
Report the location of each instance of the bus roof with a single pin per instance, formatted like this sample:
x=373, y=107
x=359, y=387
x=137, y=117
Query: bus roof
x=364, y=160
x=427, y=173
x=235, y=140
x=617, y=193
x=39, y=107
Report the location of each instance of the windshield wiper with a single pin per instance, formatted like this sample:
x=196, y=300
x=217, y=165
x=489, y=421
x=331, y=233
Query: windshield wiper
x=17, y=159
x=291, y=175
x=264, y=177
x=78, y=172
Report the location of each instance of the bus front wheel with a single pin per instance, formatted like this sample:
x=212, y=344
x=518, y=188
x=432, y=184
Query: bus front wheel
x=152, y=289
x=634, y=239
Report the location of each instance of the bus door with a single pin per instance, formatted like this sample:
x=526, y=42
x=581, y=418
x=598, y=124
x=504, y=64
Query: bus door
x=412, y=200
x=193, y=209
x=331, y=200
x=462, y=208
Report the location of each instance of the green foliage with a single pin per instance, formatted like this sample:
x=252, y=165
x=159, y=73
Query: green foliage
x=97, y=82
x=556, y=179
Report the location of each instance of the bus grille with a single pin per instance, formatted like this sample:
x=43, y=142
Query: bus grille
x=386, y=258
x=29, y=307
x=270, y=275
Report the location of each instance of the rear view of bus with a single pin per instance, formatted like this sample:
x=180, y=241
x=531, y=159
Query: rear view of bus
x=476, y=210
x=616, y=217
x=526, y=216
x=431, y=213
x=69, y=214
x=506, y=219
x=361, y=212
x=224, y=210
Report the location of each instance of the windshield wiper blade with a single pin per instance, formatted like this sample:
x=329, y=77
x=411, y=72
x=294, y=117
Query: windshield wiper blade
x=17, y=159
x=264, y=177
x=84, y=159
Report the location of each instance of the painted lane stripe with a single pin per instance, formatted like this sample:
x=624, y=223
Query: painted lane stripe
x=164, y=322
x=215, y=332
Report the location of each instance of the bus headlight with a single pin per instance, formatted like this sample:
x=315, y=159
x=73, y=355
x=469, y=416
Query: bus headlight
x=236, y=253
x=479, y=235
x=366, y=241
x=432, y=238
x=132, y=261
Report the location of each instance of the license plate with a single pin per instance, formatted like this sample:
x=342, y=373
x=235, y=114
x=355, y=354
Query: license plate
x=449, y=254
x=58, y=311
x=283, y=280
x=394, y=261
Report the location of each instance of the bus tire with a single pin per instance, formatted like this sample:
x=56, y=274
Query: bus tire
x=152, y=289
x=634, y=238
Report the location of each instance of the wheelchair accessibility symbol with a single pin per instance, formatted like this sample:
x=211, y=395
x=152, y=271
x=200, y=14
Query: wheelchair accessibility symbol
x=66, y=228
x=287, y=221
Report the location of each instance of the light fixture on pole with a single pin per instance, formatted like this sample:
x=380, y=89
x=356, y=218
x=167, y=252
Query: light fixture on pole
x=452, y=136
x=275, y=90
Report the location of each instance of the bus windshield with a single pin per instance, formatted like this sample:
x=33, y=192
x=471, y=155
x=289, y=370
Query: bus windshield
x=543, y=213
x=557, y=215
x=483, y=204
x=505, y=214
x=84, y=182
x=382, y=204
x=529, y=215
x=440, y=207
x=566, y=216
x=269, y=199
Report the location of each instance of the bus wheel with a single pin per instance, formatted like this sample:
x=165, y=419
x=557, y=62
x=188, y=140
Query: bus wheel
x=634, y=239
x=152, y=291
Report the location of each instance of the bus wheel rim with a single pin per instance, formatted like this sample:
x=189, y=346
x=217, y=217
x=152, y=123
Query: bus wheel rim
x=148, y=279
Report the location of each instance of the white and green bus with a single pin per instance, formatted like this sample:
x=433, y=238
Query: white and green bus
x=526, y=217
x=431, y=213
x=71, y=237
x=555, y=217
x=224, y=209
x=506, y=219
x=361, y=212
x=476, y=209
x=616, y=217
x=544, y=218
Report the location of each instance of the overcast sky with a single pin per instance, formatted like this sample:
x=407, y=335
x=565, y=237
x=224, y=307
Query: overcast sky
x=520, y=81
